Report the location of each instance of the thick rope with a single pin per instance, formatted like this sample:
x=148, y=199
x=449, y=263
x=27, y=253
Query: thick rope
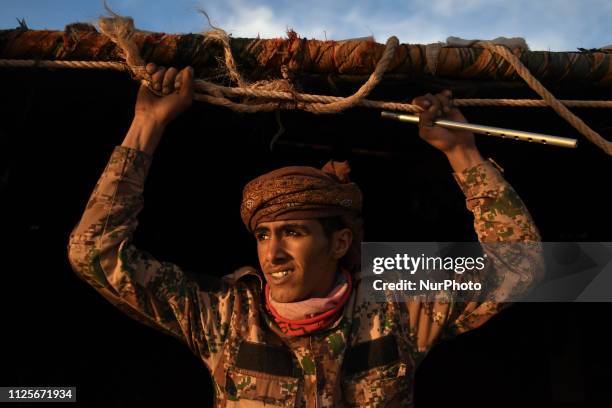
x=14, y=63
x=121, y=29
x=282, y=88
x=262, y=93
x=537, y=86
x=219, y=36
x=366, y=88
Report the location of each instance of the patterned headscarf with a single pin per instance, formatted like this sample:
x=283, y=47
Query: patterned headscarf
x=301, y=192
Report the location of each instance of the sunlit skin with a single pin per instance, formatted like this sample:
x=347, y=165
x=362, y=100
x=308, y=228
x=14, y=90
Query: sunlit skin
x=301, y=247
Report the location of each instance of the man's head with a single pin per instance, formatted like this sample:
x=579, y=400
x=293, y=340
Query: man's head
x=299, y=258
x=305, y=222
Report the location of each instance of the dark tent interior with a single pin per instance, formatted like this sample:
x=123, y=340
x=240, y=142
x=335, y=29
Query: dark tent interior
x=58, y=129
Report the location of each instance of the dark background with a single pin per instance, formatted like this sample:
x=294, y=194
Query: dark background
x=58, y=129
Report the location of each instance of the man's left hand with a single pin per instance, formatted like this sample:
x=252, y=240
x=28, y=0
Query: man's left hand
x=440, y=106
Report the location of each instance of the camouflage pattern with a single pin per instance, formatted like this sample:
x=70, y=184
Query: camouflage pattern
x=367, y=358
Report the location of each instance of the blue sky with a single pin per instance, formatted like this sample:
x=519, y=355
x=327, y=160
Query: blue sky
x=556, y=25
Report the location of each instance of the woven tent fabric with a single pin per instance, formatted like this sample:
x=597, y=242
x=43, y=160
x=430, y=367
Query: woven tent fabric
x=266, y=58
x=294, y=54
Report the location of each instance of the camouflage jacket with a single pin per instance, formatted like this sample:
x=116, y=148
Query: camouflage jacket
x=368, y=357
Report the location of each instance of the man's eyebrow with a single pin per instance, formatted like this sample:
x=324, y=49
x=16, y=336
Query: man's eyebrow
x=301, y=227
x=259, y=230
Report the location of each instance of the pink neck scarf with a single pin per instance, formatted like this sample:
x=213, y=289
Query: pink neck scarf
x=306, y=316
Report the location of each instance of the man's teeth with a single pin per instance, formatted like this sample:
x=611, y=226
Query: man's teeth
x=280, y=274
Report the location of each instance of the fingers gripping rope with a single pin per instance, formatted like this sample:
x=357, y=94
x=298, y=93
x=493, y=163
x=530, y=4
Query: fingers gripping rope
x=272, y=95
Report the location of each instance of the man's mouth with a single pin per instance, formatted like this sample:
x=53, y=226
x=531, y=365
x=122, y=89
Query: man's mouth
x=280, y=275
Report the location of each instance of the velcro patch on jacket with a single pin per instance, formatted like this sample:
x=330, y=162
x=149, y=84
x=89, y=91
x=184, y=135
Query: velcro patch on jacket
x=265, y=358
x=370, y=354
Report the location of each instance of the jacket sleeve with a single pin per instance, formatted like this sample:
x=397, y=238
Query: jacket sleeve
x=514, y=262
x=509, y=240
x=156, y=293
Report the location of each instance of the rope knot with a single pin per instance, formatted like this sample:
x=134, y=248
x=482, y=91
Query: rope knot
x=121, y=30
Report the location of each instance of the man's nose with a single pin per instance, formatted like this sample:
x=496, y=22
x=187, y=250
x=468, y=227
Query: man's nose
x=276, y=250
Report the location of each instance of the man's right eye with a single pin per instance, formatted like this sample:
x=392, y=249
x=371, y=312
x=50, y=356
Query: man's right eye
x=261, y=236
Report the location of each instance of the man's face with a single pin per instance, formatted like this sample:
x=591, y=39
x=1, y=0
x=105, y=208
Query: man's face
x=297, y=259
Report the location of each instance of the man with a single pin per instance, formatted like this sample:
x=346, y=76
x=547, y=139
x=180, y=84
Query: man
x=301, y=333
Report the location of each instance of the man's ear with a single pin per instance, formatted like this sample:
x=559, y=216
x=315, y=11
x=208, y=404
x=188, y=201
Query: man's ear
x=341, y=242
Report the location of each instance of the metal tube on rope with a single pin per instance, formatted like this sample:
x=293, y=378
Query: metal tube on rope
x=490, y=130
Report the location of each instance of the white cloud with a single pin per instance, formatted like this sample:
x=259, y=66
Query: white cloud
x=452, y=8
x=409, y=30
x=559, y=25
x=248, y=21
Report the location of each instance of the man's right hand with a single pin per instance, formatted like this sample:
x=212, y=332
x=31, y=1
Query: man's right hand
x=177, y=90
x=153, y=112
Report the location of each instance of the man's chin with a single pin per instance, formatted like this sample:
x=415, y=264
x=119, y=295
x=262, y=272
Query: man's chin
x=284, y=296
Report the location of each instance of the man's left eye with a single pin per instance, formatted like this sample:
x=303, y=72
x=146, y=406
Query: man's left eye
x=293, y=233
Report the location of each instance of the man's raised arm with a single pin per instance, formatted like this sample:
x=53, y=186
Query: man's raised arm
x=101, y=251
x=505, y=229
